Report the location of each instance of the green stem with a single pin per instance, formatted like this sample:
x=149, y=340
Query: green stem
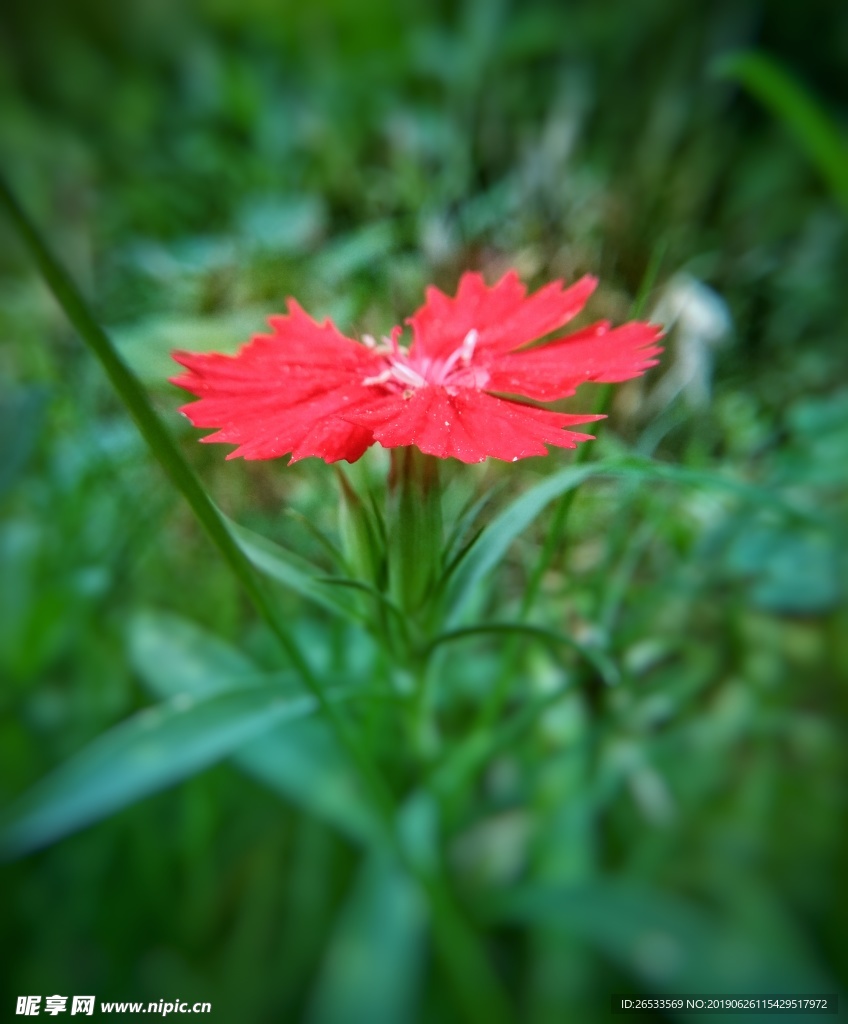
x=475, y=986
x=422, y=726
x=414, y=530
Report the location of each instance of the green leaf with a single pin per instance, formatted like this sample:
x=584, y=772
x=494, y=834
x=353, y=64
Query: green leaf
x=816, y=134
x=365, y=588
x=150, y=751
x=459, y=537
x=462, y=538
x=335, y=555
x=495, y=541
x=665, y=942
x=290, y=569
x=174, y=656
x=373, y=967
x=304, y=765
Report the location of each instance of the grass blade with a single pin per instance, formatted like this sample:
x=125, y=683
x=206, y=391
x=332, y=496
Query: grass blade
x=149, y=424
x=175, y=658
x=704, y=953
x=816, y=134
x=496, y=540
x=305, y=766
x=374, y=963
x=600, y=662
x=150, y=751
x=287, y=568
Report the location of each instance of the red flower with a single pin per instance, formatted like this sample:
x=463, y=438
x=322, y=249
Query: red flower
x=309, y=390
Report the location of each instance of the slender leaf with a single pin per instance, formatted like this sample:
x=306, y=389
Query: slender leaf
x=373, y=967
x=661, y=940
x=306, y=767
x=294, y=572
x=499, y=535
x=174, y=657
x=603, y=665
x=816, y=134
x=371, y=591
x=459, y=539
x=181, y=475
x=148, y=752
x=497, y=538
x=335, y=555
x=303, y=765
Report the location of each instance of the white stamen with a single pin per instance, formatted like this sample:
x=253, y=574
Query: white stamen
x=425, y=370
x=406, y=375
x=381, y=378
x=398, y=372
x=462, y=353
x=467, y=346
x=385, y=346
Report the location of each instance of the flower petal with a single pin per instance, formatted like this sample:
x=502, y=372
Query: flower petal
x=468, y=425
x=504, y=316
x=300, y=352
x=597, y=353
x=281, y=393
x=309, y=427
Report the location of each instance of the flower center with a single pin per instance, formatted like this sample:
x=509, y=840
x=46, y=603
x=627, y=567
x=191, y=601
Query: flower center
x=405, y=373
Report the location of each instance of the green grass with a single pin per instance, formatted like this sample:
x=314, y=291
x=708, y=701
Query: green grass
x=631, y=782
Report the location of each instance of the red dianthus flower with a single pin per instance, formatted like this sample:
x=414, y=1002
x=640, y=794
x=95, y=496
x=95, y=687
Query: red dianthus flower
x=309, y=390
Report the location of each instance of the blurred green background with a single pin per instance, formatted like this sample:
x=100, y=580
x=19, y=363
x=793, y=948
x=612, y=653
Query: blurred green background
x=195, y=164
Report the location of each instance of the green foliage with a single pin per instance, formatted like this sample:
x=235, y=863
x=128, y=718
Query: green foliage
x=611, y=735
x=378, y=978
x=151, y=750
x=670, y=945
x=814, y=131
x=177, y=660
